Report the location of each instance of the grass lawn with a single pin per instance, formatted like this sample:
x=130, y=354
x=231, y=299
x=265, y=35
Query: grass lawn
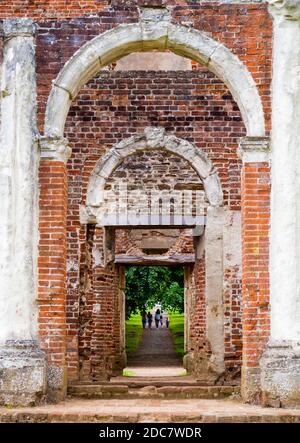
x=177, y=329
x=134, y=331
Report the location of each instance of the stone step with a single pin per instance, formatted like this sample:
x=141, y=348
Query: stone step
x=94, y=391
x=76, y=410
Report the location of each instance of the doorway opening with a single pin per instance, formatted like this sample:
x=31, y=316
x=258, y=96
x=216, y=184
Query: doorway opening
x=155, y=325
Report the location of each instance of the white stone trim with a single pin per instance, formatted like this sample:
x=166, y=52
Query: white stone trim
x=144, y=36
x=20, y=27
x=254, y=149
x=284, y=9
x=214, y=288
x=55, y=149
x=19, y=158
x=152, y=138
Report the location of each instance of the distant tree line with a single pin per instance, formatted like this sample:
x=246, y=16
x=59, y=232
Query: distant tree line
x=148, y=285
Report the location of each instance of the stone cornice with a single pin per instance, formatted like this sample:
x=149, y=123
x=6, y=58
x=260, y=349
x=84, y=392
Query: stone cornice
x=54, y=149
x=285, y=9
x=18, y=27
x=254, y=149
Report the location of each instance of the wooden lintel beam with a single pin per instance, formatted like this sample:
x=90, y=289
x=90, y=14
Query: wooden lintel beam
x=152, y=260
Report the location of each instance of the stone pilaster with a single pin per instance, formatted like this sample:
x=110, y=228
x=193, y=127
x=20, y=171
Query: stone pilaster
x=280, y=365
x=255, y=190
x=22, y=364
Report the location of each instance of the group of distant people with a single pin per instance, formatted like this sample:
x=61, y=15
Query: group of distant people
x=158, y=318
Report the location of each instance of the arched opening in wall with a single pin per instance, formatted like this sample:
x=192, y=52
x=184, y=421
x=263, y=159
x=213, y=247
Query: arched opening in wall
x=136, y=215
x=150, y=168
x=115, y=105
x=155, y=250
x=155, y=326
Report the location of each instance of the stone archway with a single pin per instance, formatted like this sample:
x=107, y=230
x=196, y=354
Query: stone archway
x=152, y=138
x=151, y=34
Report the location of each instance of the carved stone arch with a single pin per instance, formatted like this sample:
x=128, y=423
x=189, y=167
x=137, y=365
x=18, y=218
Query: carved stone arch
x=151, y=138
x=146, y=36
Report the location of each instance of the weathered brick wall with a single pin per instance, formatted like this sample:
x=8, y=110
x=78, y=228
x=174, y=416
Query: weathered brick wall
x=100, y=314
x=130, y=241
x=198, y=340
x=193, y=105
x=52, y=265
x=155, y=169
x=65, y=26
x=256, y=289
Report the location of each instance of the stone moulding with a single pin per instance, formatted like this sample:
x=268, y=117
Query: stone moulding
x=254, y=149
x=24, y=27
x=54, y=149
x=152, y=138
x=149, y=35
x=285, y=9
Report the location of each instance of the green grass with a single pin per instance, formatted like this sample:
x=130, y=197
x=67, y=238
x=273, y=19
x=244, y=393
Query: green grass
x=127, y=373
x=177, y=330
x=133, y=333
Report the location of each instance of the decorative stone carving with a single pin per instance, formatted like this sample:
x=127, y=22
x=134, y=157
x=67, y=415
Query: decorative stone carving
x=285, y=9
x=55, y=149
x=254, y=149
x=149, y=14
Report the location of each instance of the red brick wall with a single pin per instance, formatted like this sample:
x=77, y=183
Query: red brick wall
x=99, y=346
x=52, y=261
x=244, y=29
x=255, y=232
x=194, y=105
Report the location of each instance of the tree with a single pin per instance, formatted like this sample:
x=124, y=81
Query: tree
x=148, y=285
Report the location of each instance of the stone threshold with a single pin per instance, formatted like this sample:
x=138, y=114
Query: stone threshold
x=151, y=410
x=124, y=391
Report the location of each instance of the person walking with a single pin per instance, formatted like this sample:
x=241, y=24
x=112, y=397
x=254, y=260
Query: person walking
x=157, y=318
x=167, y=322
x=144, y=319
x=150, y=318
x=161, y=320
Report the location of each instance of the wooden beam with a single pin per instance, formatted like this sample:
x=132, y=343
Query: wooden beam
x=155, y=260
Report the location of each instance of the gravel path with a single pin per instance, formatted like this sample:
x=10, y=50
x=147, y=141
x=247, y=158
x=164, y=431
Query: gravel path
x=155, y=356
